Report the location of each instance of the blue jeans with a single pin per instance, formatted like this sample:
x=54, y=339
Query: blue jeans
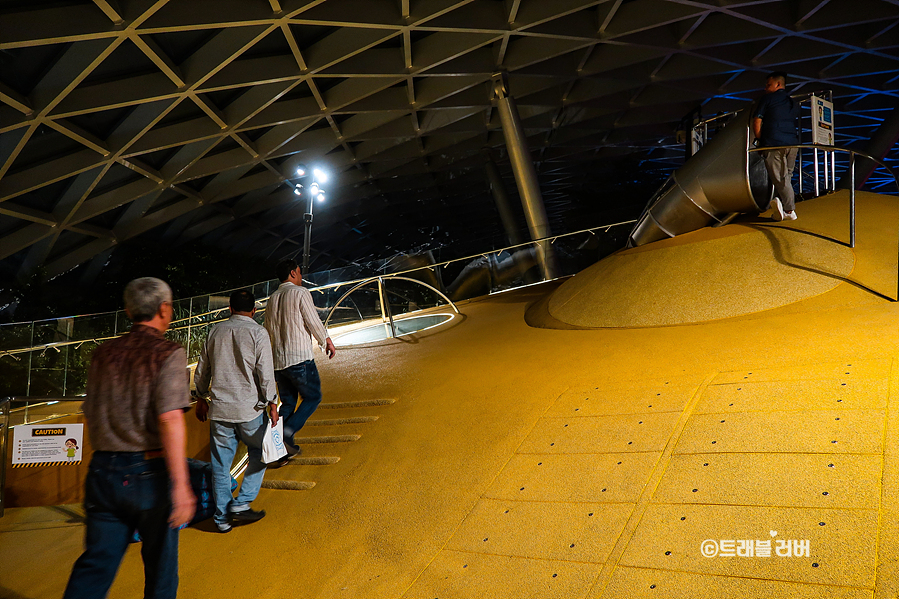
x=224, y=437
x=125, y=492
x=300, y=380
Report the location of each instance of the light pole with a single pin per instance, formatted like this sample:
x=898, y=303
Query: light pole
x=314, y=192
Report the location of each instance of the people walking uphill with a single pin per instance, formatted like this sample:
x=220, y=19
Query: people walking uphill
x=235, y=371
x=774, y=124
x=292, y=322
x=137, y=392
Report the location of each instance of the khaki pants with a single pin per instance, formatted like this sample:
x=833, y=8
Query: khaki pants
x=780, y=164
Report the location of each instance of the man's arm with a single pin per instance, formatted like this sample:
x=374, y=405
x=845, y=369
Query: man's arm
x=203, y=372
x=759, y=114
x=265, y=374
x=314, y=323
x=171, y=399
x=202, y=378
x=173, y=434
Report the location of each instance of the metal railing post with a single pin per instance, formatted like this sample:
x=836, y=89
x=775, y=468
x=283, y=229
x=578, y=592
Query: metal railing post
x=30, y=362
x=4, y=451
x=833, y=171
x=817, y=186
x=386, y=314
x=851, y=199
x=190, y=316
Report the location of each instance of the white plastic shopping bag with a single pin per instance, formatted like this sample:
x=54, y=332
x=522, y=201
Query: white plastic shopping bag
x=273, y=448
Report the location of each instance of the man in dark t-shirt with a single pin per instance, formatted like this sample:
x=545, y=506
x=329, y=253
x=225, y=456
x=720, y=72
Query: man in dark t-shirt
x=774, y=124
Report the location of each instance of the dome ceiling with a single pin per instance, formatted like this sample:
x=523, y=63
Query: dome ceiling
x=184, y=120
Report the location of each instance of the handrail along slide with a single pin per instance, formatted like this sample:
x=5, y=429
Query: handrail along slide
x=852, y=154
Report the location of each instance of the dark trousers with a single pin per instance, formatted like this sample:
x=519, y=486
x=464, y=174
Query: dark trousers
x=125, y=492
x=300, y=381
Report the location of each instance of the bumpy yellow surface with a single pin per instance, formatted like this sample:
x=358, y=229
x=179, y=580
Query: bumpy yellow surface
x=520, y=461
x=743, y=269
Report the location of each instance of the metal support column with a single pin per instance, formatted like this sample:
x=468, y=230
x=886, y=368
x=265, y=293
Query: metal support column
x=525, y=175
x=307, y=234
x=502, y=202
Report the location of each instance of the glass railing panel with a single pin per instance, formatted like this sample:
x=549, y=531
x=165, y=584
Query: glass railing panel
x=428, y=275
x=122, y=322
x=364, y=304
x=29, y=367
x=94, y=326
x=197, y=337
x=14, y=374
x=16, y=335
x=47, y=372
x=178, y=335
x=406, y=297
x=53, y=331
x=263, y=290
x=181, y=310
x=198, y=309
x=467, y=279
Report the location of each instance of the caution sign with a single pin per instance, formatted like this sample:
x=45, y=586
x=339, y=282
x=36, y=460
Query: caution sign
x=822, y=121
x=46, y=445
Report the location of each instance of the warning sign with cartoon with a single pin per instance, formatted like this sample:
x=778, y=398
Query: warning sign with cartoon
x=43, y=445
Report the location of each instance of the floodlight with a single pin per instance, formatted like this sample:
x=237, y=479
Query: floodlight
x=320, y=197
x=297, y=191
x=314, y=188
x=320, y=175
x=301, y=170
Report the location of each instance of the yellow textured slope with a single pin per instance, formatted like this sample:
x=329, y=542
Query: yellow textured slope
x=518, y=461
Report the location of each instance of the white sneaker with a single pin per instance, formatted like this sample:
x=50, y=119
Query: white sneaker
x=790, y=215
x=778, y=211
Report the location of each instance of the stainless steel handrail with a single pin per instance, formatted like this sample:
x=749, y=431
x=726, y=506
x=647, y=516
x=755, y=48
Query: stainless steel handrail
x=852, y=154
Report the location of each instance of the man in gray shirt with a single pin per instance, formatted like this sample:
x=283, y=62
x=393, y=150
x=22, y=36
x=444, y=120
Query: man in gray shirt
x=235, y=372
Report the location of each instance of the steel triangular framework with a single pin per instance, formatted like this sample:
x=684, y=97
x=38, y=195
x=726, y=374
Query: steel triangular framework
x=183, y=120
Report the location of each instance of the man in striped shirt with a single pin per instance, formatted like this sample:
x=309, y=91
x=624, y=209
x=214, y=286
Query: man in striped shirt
x=292, y=321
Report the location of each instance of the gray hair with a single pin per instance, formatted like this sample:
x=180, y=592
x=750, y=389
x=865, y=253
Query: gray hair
x=144, y=296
